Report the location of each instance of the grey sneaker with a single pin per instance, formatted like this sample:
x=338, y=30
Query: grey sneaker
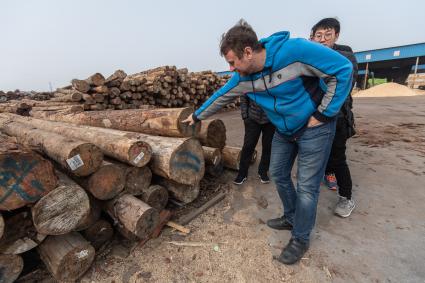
x=344, y=207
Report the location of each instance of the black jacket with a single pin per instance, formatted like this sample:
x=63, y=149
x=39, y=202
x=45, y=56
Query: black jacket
x=346, y=115
x=249, y=109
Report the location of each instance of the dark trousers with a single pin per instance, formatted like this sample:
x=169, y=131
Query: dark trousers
x=253, y=131
x=337, y=163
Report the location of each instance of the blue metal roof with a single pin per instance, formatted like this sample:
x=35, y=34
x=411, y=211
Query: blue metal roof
x=391, y=53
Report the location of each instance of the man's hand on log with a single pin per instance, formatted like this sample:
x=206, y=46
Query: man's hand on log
x=189, y=120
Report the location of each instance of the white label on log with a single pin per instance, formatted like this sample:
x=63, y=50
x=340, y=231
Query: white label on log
x=82, y=254
x=75, y=162
x=215, y=160
x=139, y=157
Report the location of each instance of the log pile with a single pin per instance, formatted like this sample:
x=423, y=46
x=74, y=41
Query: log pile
x=103, y=171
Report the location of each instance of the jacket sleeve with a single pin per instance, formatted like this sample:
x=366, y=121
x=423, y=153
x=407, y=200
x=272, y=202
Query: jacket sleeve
x=244, y=106
x=225, y=95
x=335, y=71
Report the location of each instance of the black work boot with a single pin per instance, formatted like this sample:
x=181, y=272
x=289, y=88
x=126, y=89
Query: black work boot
x=280, y=223
x=293, y=252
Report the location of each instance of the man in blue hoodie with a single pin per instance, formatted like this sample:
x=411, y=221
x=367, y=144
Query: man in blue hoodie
x=301, y=86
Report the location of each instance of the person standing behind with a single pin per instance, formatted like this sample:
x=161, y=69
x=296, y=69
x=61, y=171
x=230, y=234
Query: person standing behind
x=337, y=174
x=256, y=122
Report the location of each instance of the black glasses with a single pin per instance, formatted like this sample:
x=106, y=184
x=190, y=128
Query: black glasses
x=319, y=36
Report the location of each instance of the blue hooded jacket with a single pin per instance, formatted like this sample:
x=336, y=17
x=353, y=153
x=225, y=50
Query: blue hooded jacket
x=300, y=79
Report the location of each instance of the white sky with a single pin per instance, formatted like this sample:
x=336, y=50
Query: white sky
x=54, y=41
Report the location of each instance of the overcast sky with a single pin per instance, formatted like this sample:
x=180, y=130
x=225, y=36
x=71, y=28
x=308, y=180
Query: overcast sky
x=54, y=41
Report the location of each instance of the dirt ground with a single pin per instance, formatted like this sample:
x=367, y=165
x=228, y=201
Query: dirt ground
x=383, y=240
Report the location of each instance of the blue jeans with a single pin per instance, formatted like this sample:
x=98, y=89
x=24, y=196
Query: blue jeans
x=313, y=148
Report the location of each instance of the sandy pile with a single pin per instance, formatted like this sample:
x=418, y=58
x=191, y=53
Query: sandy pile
x=386, y=90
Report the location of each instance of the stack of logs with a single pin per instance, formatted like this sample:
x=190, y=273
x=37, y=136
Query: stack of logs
x=162, y=87
x=66, y=181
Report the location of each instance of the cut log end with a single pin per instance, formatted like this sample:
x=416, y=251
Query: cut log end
x=84, y=160
x=107, y=182
x=61, y=211
x=140, y=154
x=10, y=268
x=188, y=164
x=155, y=196
x=35, y=178
x=185, y=129
x=67, y=257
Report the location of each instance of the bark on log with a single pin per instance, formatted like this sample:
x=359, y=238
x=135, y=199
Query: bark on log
x=80, y=158
x=128, y=150
x=62, y=210
x=71, y=97
x=213, y=133
x=24, y=175
x=155, y=196
x=99, y=233
x=62, y=108
x=106, y=183
x=11, y=267
x=80, y=85
x=179, y=159
x=96, y=79
x=181, y=192
x=133, y=215
x=163, y=122
x=67, y=257
x=20, y=234
x=212, y=155
x=118, y=75
x=231, y=157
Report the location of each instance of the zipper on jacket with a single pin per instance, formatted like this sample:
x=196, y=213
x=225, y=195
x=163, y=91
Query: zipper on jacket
x=274, y=98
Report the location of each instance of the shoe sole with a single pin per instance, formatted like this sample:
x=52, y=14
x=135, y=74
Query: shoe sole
x=280, y=229
x=346, y=215
x=262, y=181
x=236, y=183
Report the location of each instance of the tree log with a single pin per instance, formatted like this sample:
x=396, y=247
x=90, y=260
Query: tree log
x=212, y=155
x=163, y=122
x=231, y=156
x=181, y=192
x=11, y=267
x=133, y=215
x=67, y=257
x=213, y=133
x=106, y=183
x=99, y=233
x=137, y=179
x=80, y=158
x=62, y=210
x=155, y=196
x=132, y=151
x=24, y=175
x=20, y=234
x=96, y=79
x=80, y=85
x=68, y=108
x=71, y=97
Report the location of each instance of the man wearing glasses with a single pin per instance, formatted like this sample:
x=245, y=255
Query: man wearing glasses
x=337, y=174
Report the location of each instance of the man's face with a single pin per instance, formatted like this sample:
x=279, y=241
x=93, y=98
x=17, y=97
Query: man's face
x=241, y=65
x=327, y=37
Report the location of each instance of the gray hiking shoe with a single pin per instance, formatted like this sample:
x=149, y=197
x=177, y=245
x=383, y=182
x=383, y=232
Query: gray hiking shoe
x=344, y=207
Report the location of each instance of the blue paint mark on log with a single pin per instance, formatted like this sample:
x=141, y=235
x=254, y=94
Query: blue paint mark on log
x=12, y=182
x=189, y=155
